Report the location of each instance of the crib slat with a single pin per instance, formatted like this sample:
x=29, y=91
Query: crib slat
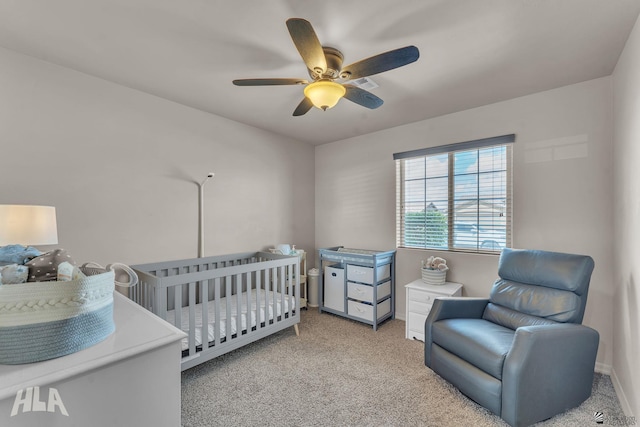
x=227, y=294
x=239, y=304
x=249, y=314
x=161, y=302
x=204, y=297
x=278, y=292
x=295, y=298
x=177, y=298
x=298, y=292
x=291, y=274
x=286, y=288
x=216, y=329
x=287, y=275
x=259, y=278
x=192, y=318
x=273, y=285
x=281, y=292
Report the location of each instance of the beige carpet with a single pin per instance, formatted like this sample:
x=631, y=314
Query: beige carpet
x=342, y=373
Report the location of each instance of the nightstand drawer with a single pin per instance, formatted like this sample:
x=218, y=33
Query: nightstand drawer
x=423, y=297
x=419, y=307
x=416, y=322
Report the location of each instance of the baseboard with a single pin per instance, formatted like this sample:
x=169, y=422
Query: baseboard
x=602, y=368
x=620, y=393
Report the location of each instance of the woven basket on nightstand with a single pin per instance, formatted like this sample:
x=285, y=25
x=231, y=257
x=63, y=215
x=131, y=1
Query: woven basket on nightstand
x=433, y=277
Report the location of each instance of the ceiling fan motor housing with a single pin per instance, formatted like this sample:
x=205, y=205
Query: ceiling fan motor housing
x=334, y=64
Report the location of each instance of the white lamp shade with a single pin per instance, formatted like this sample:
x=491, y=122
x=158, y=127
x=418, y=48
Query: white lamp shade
x=28, y=225
x=324, y=94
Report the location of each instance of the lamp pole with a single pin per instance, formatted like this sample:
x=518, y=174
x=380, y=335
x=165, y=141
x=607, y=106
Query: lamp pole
x=201, y=215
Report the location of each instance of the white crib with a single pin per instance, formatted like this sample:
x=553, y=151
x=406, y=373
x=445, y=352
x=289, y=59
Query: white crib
x=222, y=302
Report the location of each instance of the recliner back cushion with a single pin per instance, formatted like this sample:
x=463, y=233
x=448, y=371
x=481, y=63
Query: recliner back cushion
x=551, y=285
x=556, y=270
x=512, y=319
x=546, y=303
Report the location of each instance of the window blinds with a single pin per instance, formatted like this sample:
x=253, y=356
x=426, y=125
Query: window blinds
x=456, y=196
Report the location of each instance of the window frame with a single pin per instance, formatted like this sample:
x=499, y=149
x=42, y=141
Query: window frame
x=451, y=149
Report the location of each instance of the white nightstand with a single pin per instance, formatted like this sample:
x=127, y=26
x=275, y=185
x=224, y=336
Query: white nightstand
x=420, y=297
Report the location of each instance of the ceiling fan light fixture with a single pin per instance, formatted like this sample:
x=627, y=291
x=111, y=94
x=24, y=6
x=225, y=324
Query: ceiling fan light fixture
x=324, y=94
x=324, y=65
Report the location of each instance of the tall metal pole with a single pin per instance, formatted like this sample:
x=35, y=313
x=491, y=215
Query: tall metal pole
x=201, y=215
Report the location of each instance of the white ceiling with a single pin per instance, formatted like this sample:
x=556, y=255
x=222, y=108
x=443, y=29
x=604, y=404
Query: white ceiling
x=472, y=52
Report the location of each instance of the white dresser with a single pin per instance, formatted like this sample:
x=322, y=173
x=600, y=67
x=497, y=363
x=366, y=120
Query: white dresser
x=420, y=297
x=132, y=378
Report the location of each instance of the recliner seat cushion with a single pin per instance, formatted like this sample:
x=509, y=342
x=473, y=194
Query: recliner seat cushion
x=481, y=343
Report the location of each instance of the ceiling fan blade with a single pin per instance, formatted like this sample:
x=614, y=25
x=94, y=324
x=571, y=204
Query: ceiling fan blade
x=307, y=43
x=379, y=63
x=303, y=107
x=362, y=97
x=269, y=82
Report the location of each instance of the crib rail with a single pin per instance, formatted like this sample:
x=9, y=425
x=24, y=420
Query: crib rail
x=222, y=302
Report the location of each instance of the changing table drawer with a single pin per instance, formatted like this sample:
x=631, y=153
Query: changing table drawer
x=357, y=273
x=365, y=311
x=365, y=292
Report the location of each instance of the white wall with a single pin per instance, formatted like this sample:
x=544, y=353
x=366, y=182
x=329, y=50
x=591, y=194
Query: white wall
x=626, y=324
x=121, y=168
x=562, y=189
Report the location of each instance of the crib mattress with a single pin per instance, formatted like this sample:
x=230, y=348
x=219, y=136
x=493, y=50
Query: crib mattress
x=266, y=313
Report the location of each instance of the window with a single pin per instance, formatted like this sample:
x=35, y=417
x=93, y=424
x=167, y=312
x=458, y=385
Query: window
x=455, y=197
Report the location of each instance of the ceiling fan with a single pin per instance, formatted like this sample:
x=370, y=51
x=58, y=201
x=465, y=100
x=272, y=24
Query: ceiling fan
x=325, y=68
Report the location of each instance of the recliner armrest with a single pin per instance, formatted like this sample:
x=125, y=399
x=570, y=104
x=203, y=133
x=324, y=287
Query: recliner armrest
x=450, y=308
x=548, y=370
x=457, y=307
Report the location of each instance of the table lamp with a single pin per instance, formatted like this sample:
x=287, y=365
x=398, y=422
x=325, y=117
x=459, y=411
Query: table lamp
x=28, y=225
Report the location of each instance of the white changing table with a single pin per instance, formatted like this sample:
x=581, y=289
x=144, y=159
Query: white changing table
x=131, y=378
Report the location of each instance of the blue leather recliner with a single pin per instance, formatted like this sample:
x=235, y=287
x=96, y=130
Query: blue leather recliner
x=522, y=353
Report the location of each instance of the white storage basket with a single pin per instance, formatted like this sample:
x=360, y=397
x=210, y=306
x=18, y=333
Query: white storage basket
x=45, y=320
x=434, y=277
